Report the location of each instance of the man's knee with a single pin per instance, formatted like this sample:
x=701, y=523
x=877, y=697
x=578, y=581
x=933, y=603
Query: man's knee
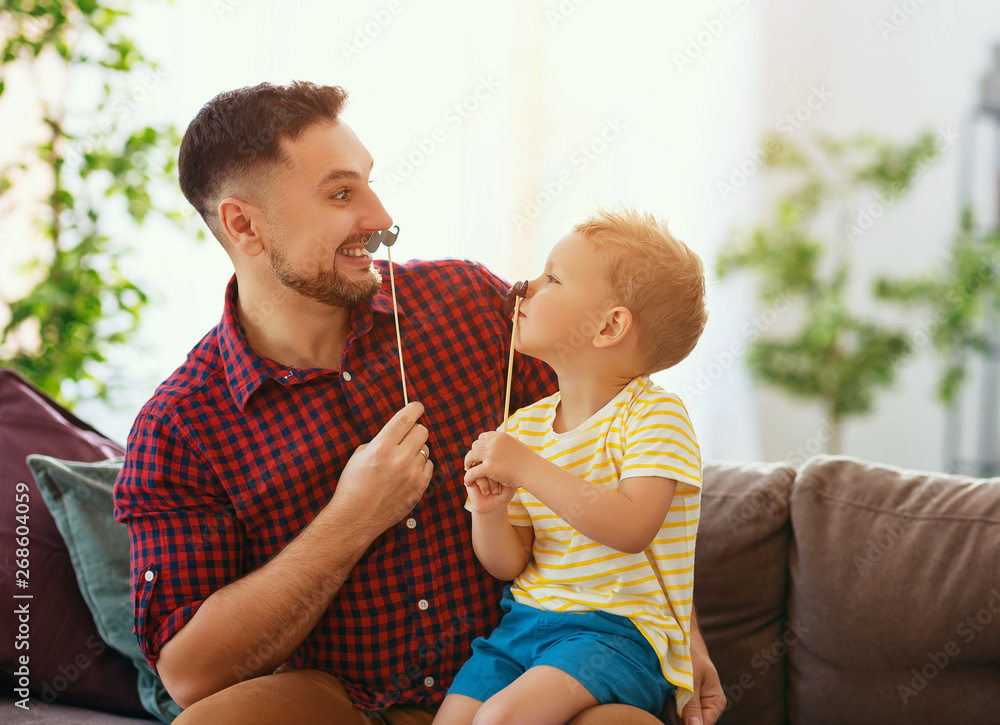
x=292, y=697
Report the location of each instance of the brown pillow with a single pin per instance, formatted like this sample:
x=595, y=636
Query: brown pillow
x=68, y=661
x=741, y=585
x=895, y=577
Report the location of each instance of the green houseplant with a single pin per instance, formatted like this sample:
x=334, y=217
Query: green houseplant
x=833, y=191
x=958, y=295
x=103, y=175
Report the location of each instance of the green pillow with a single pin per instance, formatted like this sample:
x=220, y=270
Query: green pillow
x=79, y=496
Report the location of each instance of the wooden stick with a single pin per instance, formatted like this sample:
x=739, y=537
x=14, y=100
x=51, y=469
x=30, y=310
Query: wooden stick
x=510, y=363
x=399, y=341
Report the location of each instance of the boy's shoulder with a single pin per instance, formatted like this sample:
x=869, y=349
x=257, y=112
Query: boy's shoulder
x=541, y=408
x=645, y=393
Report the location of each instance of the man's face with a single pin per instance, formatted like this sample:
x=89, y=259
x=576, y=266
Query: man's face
x=561, y=312
x=321, y=206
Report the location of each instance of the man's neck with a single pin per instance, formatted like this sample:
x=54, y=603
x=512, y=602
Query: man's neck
x=291, y=329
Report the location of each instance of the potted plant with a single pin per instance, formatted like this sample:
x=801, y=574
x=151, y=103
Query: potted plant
x=834, y=190
x=100, y=171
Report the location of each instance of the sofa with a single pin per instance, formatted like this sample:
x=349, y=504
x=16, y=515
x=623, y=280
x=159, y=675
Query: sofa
x=833, y=591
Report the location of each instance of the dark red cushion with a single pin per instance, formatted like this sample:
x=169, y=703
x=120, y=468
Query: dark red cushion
x=68, y=662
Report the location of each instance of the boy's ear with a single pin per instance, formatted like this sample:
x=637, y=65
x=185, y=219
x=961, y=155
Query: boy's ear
x=241, y=223
x=617, y=324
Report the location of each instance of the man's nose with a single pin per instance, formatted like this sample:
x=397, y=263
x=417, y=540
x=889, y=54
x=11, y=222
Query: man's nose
x=376, y=218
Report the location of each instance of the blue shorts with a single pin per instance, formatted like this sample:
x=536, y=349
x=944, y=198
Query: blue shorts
x=605, y=653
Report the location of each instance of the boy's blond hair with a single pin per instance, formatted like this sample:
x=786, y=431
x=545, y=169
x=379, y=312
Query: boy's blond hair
x=657, y=277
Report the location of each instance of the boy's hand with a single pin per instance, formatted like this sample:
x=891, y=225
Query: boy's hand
x=488, y=497
x=501, y=459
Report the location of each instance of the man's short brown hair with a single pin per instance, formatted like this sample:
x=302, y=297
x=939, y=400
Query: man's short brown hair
x=234, y=143
x=657, y=277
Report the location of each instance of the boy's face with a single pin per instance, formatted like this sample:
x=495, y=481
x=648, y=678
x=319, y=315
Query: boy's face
x=563, y=308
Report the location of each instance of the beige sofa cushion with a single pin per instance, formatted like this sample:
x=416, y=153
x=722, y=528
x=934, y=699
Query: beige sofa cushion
x=895, y=588
x=741, y=584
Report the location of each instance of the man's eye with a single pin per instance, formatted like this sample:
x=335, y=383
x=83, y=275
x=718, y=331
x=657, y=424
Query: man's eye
x=340, y=195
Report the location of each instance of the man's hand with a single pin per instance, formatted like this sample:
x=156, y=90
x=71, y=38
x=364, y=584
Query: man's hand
x=709, y=699
x=385, y=478
x=501, y=459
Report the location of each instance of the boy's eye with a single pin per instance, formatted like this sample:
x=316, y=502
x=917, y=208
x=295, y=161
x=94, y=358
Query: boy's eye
x=551, y=279
x=340, y=195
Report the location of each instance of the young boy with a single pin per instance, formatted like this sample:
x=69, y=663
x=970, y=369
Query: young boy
x=590, y=500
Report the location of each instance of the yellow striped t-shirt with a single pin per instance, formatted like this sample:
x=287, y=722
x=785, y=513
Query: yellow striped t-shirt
x=643, y=431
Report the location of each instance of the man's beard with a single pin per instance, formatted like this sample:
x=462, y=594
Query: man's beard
x=329, y=286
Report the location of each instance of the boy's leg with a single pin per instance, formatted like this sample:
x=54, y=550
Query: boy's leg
x=457, y=710
x=615, y=715
x=541, y=695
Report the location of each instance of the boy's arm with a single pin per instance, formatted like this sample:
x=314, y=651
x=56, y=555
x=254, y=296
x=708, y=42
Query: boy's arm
x=627, y=519
x=502, y=548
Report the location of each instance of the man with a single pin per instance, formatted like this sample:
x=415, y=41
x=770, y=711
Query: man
x=299, y=548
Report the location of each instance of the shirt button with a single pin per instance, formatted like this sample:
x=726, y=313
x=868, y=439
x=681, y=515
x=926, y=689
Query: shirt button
x=288, y=375
x=428, y=682
x=422, y=604
x=347, y=376
x=411, y=523
x=149, y=575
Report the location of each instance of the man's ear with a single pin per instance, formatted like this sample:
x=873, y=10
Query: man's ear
x=242, y=223
x=617, y=324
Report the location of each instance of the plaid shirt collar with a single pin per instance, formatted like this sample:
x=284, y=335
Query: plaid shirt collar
x=246, y=369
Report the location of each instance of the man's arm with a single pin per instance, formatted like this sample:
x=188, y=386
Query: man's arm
x=251, y=625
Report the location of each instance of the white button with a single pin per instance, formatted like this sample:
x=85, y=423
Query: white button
x=411, y=523
x=347, y=376
x=428, y=682
x=422, y=604
x=149, y=575
x=289, y=375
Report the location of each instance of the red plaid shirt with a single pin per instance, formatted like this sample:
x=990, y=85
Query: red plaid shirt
x=235, y=454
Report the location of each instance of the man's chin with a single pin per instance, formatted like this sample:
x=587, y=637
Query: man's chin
x=336, y=291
